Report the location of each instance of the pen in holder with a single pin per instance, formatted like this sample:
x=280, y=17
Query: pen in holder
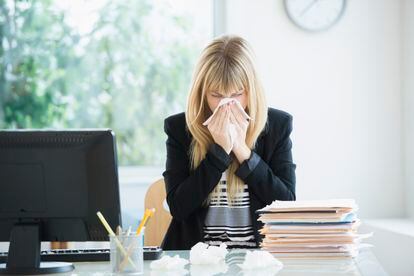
x=147, y=215
x=115, y=239
x=134, y=245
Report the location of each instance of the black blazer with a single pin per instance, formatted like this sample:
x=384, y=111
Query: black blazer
x=269, y=174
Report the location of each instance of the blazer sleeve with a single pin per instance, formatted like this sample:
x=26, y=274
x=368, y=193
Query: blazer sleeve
x=275, y=179
x=188, y=189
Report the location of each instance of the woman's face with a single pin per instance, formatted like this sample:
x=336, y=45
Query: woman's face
x=214, y=98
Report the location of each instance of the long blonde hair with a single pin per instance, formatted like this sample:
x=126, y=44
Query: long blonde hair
x=225, y=65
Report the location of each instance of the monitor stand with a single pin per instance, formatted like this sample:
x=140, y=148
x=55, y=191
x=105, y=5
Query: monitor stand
x=24, y=253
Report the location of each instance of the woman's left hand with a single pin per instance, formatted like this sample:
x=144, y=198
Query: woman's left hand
x=240, y=148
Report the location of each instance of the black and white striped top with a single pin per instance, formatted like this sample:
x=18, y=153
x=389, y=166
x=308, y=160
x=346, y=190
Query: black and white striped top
x=227, y=223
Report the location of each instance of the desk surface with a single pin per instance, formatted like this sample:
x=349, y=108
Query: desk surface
x=365, y=265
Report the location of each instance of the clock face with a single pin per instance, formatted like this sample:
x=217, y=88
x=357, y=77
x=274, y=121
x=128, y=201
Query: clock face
x=315, y=15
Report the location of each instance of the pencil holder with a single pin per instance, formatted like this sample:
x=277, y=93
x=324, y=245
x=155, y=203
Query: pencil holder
x=127, y=254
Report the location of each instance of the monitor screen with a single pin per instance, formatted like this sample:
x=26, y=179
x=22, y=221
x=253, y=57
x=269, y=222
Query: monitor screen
x=58, y=180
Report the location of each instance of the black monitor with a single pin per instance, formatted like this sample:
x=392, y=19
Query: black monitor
x=52, y=183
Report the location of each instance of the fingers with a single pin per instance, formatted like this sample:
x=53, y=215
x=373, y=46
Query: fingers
x=221, y=117
x=233, y=119
x=238, y=115
x=225, y=113
x=219, y=128
x=213, y=120
x=227, y=119
x=217, y=119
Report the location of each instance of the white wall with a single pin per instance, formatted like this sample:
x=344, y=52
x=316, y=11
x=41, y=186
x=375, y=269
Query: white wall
x=343, y=88
x=408, y=100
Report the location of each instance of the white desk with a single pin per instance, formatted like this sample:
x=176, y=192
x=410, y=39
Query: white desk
x=365, y=265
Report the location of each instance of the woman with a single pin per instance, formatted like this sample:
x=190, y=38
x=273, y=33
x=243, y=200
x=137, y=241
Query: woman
x=218, y=174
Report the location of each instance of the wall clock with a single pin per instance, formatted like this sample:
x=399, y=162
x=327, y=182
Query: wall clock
x=315, y=15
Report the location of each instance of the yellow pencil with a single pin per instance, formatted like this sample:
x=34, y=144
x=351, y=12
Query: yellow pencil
x=118, y=243
x=148, y=213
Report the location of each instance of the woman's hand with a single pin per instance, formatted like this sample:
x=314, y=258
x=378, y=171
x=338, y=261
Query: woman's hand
x=240, y=148
x=219, y=128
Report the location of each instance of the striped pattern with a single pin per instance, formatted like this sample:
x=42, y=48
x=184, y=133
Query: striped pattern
x=235, y=256
x=229, y=224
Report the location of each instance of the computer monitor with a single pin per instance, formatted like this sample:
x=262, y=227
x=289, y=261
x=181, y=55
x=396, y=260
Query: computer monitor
x=52, y=183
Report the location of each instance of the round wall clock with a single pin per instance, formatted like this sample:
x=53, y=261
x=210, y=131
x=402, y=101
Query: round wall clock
x=315, y=15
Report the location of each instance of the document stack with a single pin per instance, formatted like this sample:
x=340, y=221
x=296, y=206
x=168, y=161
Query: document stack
x=311, y=229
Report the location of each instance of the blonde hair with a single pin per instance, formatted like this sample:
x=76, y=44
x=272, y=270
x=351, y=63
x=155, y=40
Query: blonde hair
x=225, y=65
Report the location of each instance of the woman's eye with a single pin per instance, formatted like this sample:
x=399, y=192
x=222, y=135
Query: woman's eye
x=216, y=96
x=237, y=95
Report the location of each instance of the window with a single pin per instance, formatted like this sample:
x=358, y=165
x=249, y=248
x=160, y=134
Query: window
x=119, y=64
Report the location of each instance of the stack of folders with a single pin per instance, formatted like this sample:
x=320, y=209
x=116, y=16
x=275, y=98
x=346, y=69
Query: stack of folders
x=312, y=229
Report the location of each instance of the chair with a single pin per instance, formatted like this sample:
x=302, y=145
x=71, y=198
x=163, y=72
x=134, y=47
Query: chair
x=158, y=224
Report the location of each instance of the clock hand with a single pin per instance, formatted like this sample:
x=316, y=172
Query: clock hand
x=308, y=7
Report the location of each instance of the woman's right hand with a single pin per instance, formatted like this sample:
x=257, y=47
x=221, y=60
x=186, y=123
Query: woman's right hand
x=219, y=128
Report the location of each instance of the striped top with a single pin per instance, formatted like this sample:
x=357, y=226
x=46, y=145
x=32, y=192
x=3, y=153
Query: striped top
x=227, y=223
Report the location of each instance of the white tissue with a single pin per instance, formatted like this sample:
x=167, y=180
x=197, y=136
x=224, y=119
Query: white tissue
x=223, y=102
x=232, y=127
x=201, y=253
x=260, y=259
x=169, y=263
